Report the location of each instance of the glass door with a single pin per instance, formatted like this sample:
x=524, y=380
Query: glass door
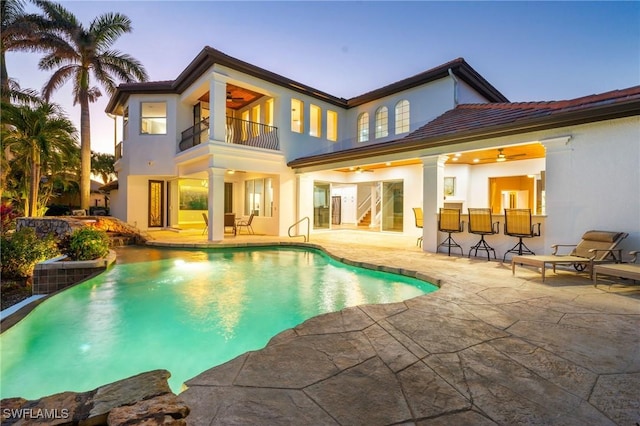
x=321, y=201
x=392, y=206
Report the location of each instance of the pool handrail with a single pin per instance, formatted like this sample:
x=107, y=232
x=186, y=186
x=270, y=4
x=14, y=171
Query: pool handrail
x=306, y=237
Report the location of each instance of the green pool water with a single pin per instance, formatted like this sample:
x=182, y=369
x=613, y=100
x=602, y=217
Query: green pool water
x=183, y=311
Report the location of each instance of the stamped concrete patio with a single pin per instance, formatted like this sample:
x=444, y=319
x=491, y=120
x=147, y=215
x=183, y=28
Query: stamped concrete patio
x=487, y=348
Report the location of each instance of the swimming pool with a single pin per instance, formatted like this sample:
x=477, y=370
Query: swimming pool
x=180, y=310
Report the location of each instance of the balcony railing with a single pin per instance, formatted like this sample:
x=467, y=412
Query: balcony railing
x=238, y=132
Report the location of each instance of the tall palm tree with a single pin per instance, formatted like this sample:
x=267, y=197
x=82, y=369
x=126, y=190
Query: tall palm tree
x=79, y=54
x=19, y=31
x=37, y=136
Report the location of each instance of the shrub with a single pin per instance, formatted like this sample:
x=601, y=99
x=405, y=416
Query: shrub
x=87, y=244
x=22, y=250
x=7, y=217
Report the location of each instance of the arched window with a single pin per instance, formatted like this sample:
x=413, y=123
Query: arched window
x=363, y=127
x=382, y=122
x=402, y=116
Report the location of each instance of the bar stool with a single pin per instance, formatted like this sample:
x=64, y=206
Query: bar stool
x=417, y=212
x=480, y=224
x=517, y=223
x=449, y=222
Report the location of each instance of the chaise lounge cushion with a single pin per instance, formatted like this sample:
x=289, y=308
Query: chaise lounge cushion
x=599, y=240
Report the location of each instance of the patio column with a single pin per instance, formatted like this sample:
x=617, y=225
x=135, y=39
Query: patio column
x=374, y=201
x=216, y=204
x=560, y=192
x=218, y=107
x=432, y=199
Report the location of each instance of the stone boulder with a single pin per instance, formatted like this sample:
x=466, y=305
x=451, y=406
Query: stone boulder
x=144, y=399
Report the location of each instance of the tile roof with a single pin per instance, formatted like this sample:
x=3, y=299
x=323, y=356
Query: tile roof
x=467, y=118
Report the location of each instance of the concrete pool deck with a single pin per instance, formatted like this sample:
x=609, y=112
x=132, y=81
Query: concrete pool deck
x=487, y=348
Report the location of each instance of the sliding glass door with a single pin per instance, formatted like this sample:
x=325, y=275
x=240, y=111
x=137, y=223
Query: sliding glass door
x=392, y=206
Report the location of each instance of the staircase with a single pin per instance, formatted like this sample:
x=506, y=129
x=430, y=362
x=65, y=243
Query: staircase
x=366, y=219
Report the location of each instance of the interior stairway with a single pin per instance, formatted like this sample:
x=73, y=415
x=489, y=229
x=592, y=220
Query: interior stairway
x=366, y=219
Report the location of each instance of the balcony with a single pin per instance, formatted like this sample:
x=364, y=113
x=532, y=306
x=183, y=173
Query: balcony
x=237, y=132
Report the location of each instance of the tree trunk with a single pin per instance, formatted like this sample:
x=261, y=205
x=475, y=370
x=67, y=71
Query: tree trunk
x=85, y=154
x=34, y=185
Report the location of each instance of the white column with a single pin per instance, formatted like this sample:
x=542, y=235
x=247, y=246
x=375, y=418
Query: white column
x=560, y=190
x=374, y=200
x=217, y=107
x=432, y=199
x=216, y=204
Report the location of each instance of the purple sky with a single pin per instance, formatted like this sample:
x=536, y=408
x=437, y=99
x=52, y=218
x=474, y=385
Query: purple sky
x=529, y=51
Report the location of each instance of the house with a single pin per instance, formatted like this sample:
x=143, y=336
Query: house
x=229, y=137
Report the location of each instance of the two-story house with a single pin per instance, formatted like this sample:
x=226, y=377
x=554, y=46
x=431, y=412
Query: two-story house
x=229, y=137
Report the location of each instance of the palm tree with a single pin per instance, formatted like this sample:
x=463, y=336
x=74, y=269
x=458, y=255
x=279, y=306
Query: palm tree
x=19, y=31
x=102, y=165
x=79, y=54
x=40, y=138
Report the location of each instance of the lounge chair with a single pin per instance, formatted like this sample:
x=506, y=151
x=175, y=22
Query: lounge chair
x=595, y=247
x=629, y=270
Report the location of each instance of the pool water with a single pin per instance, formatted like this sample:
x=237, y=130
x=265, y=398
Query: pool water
x=183, y=311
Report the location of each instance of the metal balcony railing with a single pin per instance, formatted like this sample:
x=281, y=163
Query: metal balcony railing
x=238, y=132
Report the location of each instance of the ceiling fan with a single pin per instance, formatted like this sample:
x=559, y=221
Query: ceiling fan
x=501, y=156
x=230, y=98
x=360, y=169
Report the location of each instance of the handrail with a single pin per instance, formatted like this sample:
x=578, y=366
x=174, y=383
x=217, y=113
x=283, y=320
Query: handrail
x=306, y=237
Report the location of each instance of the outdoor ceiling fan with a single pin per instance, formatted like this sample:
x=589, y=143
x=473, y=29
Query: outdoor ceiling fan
x=230, y=98
x=501, y=156
x=361, y=169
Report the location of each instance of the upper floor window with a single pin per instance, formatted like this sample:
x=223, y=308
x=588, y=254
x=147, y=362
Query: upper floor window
x=268, y=113
x=332, y=125
x=363, y=127
x=402, y=117
x=125, y=123
x=315, y=121
x=153, y=118
x=297, y=115
x=382, y=122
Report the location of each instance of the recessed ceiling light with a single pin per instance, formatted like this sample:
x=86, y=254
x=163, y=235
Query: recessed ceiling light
x=476, y=160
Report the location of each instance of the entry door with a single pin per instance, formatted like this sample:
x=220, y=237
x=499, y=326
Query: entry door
x=156, y=203
x=336, y=210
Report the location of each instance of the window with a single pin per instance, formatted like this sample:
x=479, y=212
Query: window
x=363, y=127
x=332, y=126
x=382, y=122
x=255, y=117
x=153, y=118
x=245, y=125
x=297, y=115
x=258, y=199
x=315, y=121
x=268, y=119
x=125, y=123
x=402, y=117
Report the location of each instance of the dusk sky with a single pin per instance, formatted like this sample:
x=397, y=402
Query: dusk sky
x=530, y=51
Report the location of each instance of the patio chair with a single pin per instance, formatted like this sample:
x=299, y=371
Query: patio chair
x=480, y=223
x=417, y=212
x=517, y=223
x=206, y=223
x=629, y=270
x=449, y=222
x=246, y=224
x=230, y=222
x=594, y=247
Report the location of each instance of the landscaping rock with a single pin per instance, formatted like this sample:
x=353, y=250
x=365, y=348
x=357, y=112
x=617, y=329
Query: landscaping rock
x=145, y=399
